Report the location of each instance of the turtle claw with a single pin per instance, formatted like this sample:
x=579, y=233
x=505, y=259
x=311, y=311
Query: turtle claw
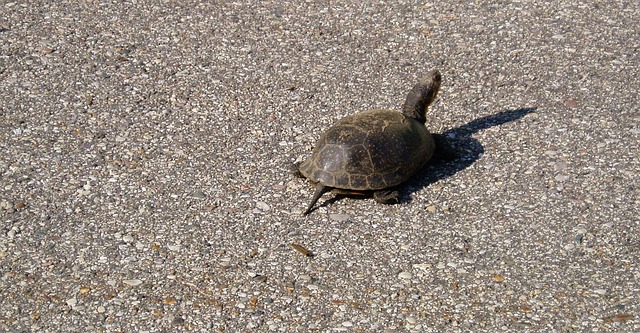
x=387, y=197
x=320, y=190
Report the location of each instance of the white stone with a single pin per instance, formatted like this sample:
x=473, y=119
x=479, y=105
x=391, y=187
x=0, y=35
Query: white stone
x=132, y=282
x=263, y=206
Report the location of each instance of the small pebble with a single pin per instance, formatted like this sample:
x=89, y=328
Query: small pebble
x=559, y=166
x=305, y=278
x=5, y=205
x=225, y=262
x=279, y=187
x=132, y=282
x=405, y=275
x=260, y=278
x=301, y=249
x=561, y=178
x=263, y=206
x=423, y=267
x=498, y=278
x=339, y=217
x=101, y=309
x=569, y=102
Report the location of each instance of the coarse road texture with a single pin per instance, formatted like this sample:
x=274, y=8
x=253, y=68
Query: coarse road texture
x=146, y=180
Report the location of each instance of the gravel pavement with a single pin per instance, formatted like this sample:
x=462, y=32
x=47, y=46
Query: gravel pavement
x=146, y=180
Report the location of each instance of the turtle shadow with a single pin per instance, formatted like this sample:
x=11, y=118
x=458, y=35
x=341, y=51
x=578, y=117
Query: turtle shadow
x=467, y=150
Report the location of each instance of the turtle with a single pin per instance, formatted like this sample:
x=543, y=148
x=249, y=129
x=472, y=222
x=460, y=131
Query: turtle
x=374, y=151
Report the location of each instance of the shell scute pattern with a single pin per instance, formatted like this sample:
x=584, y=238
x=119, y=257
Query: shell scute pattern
x=372, y=150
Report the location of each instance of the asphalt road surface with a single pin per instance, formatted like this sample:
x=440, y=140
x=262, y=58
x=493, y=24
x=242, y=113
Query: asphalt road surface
x=147, y=146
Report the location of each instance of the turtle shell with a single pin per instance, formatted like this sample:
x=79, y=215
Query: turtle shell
x=371, y=150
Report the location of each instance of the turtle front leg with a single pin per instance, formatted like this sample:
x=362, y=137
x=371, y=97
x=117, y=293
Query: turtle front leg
x=387, y=197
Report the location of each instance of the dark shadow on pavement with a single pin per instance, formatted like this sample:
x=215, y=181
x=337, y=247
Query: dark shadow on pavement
x=468, y=150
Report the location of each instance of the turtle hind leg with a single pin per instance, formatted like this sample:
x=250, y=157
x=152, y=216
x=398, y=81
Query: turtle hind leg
x=320, y=190
x=387, y=197
x=444, y=150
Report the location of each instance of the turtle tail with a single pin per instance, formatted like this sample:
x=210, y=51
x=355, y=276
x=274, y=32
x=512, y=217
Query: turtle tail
x=320, y=190
x=421, y=96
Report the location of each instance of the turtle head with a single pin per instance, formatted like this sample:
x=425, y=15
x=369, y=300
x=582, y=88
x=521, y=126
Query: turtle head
x=421, y=96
